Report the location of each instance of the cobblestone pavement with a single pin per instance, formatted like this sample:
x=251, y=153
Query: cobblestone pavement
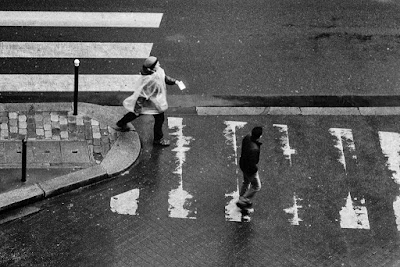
x=55, y=126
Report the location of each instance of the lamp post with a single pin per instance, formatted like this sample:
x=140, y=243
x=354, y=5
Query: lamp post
x=76, y=63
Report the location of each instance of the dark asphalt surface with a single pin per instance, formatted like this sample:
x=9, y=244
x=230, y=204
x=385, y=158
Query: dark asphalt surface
x=79, y=228
x=240, y=48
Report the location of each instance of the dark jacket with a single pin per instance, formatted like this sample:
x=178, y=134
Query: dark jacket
x=250, y=155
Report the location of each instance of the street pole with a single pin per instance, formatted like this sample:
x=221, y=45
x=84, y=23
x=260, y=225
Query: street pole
x=23, y=178
x=76, y=63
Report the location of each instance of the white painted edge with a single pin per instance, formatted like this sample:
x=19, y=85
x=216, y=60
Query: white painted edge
x=65, y=83
x=74, y=50
x=80, y=19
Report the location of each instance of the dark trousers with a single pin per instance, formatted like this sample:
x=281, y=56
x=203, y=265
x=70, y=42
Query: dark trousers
x=158, y=123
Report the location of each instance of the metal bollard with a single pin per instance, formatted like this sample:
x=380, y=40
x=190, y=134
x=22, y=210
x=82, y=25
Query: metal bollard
x=76, y=63
x=23, y=178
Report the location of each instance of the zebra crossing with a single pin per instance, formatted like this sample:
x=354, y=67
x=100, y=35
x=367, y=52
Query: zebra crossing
x=83, y=49
x=182, y=202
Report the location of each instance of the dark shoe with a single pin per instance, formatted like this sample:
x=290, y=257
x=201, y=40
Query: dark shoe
x=162, y=142
x=244, y=205
x=124, y=128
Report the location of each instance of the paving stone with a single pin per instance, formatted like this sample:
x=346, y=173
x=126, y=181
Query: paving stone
x=72, y=127
x=38, y=117
x=55, y=131
x=94, y=123
x=30, y=120
x=79, y=121
x=64, y=135
x=105, y=149
x=63, y=120
x=23, y=131
x=13, y=123
x=13, y=115
x=54, y=117
x=4, y=126
x=71, y=119
x=4, y=119
x=95, y=129
x=47, y=134
x=88, y=133
x=56, y=137
x=96, y=141
x=23, y=124
x=4, y=135
x=55, y=124
x=13, y=129
x=105, y=140
x=39, y=124
x=47, y=127
x=21, y=118
x=40, y=132
x=96, y=135
x=47, y=119
x=97, y=149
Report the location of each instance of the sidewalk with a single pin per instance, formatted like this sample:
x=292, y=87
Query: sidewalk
x=64, y=152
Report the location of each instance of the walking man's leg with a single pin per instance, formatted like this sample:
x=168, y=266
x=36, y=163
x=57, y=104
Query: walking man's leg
x=243, y=190
x=128, y=117
x=158, y=131
x=255, y=186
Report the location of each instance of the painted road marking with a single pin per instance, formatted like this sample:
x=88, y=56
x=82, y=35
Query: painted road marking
x=80, y=19
x=294, y=210
x=354, y=214
x=125, y=203
x=65, y=82
x=390, y=144
x=287, y=153
x=287, y=150
x=181, y=203
x=74, y=50
x=232, y=213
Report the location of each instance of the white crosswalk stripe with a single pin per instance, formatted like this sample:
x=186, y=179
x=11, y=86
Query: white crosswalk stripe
x=80, y=19
x=74, y=50
x=65, y=83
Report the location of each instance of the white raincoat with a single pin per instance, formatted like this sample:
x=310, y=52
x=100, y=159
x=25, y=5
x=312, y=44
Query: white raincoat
x=150, y=94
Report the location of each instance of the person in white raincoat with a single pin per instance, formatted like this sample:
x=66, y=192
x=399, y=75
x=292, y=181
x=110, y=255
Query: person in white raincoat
x=150, y=97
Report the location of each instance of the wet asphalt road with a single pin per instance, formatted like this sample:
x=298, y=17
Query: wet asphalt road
x=80, y=229
x=239, y=48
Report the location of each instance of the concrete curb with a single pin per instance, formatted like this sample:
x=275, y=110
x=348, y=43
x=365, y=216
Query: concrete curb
x=122, y=155
x=306, y=111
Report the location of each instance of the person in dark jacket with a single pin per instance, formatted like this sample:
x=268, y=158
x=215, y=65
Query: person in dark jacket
x=249, y=159
x=150, y=97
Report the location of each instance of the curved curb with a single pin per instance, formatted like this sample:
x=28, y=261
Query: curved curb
x=123, y=154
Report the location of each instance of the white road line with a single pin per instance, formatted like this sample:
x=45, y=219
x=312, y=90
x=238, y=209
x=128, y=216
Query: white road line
x=65, y=83
x=125, y=203
x=232, y=212
x=287, y=150
x=390, y=144
x=80, y=19
x=287, y=153
x=181, y=203
x=74, y=50
x=294, y=211
x=354, y=215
